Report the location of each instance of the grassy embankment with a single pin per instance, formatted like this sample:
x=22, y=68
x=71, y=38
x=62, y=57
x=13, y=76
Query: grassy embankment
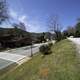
x=62, y=64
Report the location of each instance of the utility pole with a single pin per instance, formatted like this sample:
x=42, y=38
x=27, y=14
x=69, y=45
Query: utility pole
x=31, y=48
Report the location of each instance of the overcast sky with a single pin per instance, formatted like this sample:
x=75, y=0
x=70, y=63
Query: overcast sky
x=35, y=13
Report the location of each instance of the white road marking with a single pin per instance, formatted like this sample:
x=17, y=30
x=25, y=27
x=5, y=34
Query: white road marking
x=11, y=57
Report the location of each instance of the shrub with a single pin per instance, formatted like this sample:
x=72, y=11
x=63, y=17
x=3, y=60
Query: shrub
x=45, y=49
x=50, y=44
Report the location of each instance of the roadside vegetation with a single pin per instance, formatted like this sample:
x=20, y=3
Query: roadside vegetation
x=62, y=64
x=46, y=49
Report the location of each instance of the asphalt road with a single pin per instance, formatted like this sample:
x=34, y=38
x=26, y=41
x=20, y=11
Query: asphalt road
x=76, y=41
x=26, y=51
x=18, y=55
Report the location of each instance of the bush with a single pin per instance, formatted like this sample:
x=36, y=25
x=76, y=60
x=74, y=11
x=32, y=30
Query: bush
x=50, y=44
x=45, y=49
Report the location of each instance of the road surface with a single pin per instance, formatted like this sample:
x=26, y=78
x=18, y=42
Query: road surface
x=76, y=41
x=18, y=55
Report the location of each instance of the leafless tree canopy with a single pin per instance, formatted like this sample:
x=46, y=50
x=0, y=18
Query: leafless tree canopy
x=22, y=26
x=54, y=24
x=3, y=11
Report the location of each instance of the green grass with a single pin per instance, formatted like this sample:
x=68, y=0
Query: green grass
x=62, y=64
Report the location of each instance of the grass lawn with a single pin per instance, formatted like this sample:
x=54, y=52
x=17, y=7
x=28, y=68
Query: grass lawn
x=62, y=64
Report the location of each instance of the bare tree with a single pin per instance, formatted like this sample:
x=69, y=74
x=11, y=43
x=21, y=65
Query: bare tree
x=3, y=11
x=71, y=31
x=22, y=26
x=54, y=26
x=19, y=29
